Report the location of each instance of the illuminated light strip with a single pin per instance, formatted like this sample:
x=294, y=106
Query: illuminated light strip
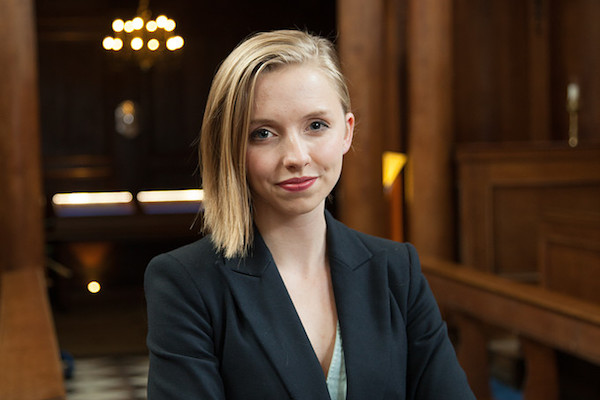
x=163, y=196
x=90, y=198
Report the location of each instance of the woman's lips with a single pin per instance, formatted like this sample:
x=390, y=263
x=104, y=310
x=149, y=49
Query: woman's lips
x=297, y=184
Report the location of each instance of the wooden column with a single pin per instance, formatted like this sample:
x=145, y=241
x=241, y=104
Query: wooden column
x=430, y=127
x=29, y=358
x=361, y=26
x=22, y=243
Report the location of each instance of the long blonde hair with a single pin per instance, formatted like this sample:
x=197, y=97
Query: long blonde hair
x=224, y=134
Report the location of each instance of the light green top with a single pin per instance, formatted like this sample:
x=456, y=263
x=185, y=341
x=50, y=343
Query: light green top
x=336, y=375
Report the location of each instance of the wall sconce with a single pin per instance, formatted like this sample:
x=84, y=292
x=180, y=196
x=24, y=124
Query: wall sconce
x=127, y=119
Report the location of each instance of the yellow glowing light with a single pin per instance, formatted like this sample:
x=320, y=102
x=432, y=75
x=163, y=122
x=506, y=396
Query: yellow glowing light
x=151, y=26
x=93, y=287
x=169, y=25
x=118, y=25
x=153, y=44
x=137, y=43
x=138, y=23
x=117, y=44
x=107, y=43
x=158, y=196
x=161, y=21
x=86, y=198
x=392, y=165
x=128, y=26
x=174, y=43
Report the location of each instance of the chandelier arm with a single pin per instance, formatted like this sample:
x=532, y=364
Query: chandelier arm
x=143, y=8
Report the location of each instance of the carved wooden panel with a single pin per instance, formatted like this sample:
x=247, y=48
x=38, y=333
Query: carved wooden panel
x=569, y=254
x=506, y=194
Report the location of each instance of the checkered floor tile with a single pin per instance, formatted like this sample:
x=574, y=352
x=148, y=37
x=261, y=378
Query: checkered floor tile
x=108, y=378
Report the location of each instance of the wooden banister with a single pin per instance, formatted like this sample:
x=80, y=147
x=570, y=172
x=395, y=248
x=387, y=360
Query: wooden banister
x=544, y=321
x=559, y=321
x=29, y=356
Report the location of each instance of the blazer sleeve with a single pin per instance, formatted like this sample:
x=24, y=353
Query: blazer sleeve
x=183, y=364
x=433, y=369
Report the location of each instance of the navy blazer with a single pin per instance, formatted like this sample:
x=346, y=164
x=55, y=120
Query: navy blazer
x=227, y=329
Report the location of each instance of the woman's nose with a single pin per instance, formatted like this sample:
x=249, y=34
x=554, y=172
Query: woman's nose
x=295, y=152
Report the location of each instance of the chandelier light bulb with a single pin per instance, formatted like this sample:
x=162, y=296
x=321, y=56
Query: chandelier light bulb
x=151, y=26
x=174, y=43
x=107, y=43
x=161, y=21
x=169, y=25
x=138, y=23
x=137, y=43
x=171, y=44
x=118, y=25
x=117, y=44
x=128, y=26
x=153, y=44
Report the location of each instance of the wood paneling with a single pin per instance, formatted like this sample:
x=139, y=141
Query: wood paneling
x=506, y=194
x=569, y=253
x=513, y=62
x=575, y=58
x=491, y=66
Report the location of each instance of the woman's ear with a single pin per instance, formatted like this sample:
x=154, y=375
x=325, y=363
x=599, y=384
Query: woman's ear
x=349, y=134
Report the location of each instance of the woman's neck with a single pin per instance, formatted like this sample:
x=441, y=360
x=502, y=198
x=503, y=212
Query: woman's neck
x=297, y=243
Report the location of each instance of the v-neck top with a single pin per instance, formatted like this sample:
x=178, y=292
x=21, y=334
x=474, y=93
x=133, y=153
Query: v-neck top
x=336, y=375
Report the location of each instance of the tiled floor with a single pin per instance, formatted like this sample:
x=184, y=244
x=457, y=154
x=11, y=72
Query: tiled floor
x=125, y=378
x=108, y=378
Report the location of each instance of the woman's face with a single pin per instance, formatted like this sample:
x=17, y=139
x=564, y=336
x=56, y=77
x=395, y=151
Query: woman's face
x=298, y=136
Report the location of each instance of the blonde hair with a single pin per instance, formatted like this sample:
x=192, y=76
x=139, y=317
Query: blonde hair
x=224, y=134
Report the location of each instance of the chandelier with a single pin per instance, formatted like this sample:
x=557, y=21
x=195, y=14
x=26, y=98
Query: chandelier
x=143, y=38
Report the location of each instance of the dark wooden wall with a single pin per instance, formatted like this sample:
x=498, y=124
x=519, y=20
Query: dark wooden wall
x=513, y=61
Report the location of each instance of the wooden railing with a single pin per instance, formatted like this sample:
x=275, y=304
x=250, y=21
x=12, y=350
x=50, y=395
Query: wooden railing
x=29, y=356
x=544, y=321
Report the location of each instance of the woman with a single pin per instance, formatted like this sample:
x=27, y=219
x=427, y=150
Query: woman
x=279, y=300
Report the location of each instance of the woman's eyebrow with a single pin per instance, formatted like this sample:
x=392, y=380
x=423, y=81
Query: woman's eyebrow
x=261, y=121
x=321, y=113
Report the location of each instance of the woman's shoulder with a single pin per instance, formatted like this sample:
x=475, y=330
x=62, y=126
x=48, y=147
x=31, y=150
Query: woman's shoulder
x=191, y=260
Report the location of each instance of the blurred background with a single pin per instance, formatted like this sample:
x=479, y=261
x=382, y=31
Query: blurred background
x=478, y=140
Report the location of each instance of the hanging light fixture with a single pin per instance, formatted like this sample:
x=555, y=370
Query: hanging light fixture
x=142, y=37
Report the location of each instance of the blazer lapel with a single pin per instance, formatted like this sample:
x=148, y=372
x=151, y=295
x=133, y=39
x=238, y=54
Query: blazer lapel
x=264, y=301
x=363, y=311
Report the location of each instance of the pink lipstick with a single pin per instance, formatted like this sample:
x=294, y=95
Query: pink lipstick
x=297, y=184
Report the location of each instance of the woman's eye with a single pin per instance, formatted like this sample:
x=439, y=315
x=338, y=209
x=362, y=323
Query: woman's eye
x=316, y=125
x=260, y=134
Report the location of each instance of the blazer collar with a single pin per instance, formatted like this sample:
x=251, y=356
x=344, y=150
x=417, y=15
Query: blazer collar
x=361, y=304
x=256, y=262
x=343, y=246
